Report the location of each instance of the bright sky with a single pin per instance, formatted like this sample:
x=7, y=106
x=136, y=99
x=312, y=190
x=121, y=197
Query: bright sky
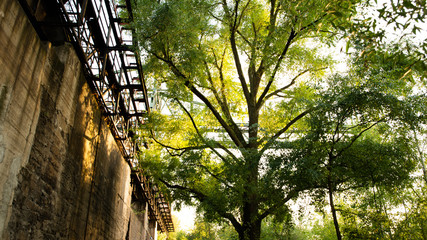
x=185, y=218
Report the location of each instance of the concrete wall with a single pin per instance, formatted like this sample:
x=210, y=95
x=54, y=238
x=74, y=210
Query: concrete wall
x=138, y=231
x=61, y=173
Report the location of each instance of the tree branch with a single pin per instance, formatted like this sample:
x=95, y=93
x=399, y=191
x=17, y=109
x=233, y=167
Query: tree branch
x=203, y=139
x=216, y=176
x=221, y=101
x=293, y=193
x=340, y=121
x=199, y=195
x=357, y=136
x=221, y=78
x=271, y=29
x=236, y=136
x=202, y=197
x=183, y=150
x=292, y=35
x=237, y=24
x=281, y=131
x=172, y=66
x=312, y=23
x=254, y=78
x=224, y=102
x=244, y=38
x=233, y=29
x=239, y=65
x=290, y=84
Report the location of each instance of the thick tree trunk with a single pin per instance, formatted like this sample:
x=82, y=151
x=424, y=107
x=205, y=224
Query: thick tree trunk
x=250, y=231
x=251, y=225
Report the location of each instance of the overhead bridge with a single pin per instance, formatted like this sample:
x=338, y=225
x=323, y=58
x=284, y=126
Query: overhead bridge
x=103, y=42
x=98, y=31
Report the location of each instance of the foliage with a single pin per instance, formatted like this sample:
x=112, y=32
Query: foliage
x=271, y=230
x=414, y=224
x=256, y=116
x=203, y=230
x=398, y=25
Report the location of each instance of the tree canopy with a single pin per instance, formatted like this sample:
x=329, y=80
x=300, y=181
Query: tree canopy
x=259, y=112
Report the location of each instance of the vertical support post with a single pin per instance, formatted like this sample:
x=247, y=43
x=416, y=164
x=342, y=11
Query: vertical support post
x=145, y=221
x=82, y=13
x=142, y=215
x=152, y=228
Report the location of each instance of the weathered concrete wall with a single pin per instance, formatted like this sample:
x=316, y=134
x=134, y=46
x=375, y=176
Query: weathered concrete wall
x=20, y=82
x=139, y=222
x=61, y=173
x=137, y=231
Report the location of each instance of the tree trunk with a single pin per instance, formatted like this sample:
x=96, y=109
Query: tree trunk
x=333, y=210
x=251, y=225
x=250, y=231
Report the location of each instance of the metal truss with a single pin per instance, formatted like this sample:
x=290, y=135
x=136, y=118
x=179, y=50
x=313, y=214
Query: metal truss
x=159, y=208
x=106, y=49
x=99, y=33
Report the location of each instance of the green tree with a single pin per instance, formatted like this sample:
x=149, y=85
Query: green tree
x=414, y=223
x=243, y=78
x=362, y=133
x=203, y=230
x=271, y=230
